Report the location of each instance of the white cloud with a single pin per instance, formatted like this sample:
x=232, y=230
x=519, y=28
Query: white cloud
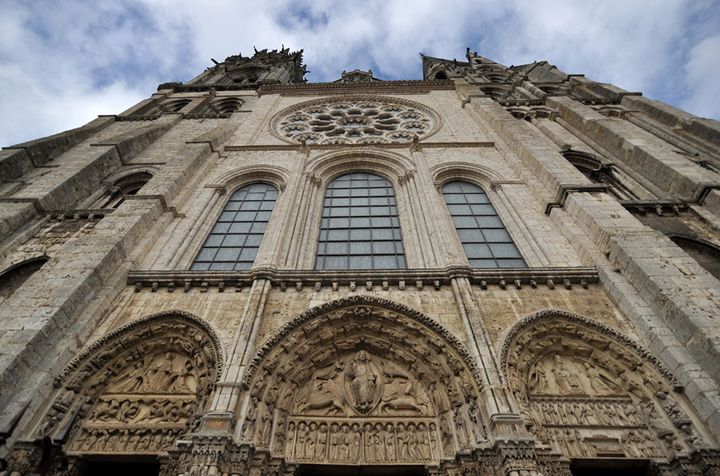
x=702, y=71
x=62, y=64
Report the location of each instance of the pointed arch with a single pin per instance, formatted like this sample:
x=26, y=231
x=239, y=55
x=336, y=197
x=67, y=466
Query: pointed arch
x=137, y=389
x=277, y=176
x=353, y=367
x=591, y=391
x=394, y=166
x=556, y=317
x=449, y=171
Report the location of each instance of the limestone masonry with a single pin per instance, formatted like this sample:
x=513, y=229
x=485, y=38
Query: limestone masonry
x=506, y=271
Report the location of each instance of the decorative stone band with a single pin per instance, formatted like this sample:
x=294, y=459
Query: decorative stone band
x=363, y=441
x=402, y=279
x=136, y=441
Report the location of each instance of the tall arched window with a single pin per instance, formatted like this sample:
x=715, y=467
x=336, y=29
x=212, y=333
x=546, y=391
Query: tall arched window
x=486, y=241
x=234, y=240
x=360, y=227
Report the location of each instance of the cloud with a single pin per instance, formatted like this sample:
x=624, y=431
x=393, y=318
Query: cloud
x=701, y=75
x=62, y=64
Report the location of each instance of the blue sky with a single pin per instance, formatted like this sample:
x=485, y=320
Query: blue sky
x=64, y=62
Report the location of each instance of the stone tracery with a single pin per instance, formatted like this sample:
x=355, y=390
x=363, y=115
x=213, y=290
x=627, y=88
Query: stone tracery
x=362, y=381
x=591, y=392
x=355, y=119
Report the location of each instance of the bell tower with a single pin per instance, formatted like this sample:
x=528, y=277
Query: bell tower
x=263, y=67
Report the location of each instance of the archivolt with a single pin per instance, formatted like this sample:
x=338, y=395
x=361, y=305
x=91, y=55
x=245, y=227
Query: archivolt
x=565, y=327
x=125, y=378
x=362, y=363
x=392, y=165
x=361, y=306
x=450, y=171
x=276, y=176
x=128, y=334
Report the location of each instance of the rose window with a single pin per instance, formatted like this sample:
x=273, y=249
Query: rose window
x=355, y=120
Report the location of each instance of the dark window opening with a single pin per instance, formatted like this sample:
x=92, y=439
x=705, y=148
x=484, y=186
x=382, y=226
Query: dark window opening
x=175, y=106
x=614, y=467
x=441, y=75
x=705, y=253
x=120, y=468
x=599, y=172
x=122, y=188
x=331, y=470
x=12, y=278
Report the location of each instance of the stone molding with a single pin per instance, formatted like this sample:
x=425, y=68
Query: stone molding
x=387, y=87
x=125, y=332
x=363, y=303
x=549, y=315
x=400, y=145
x=416, y=278
x=239, y=177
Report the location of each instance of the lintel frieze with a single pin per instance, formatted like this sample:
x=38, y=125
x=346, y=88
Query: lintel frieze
x=512, y=278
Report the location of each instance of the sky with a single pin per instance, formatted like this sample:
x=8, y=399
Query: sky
x=64, y=62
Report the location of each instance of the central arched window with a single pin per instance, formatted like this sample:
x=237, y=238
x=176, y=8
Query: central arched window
x=360, y=227
x=486, y=241
x=234, y=240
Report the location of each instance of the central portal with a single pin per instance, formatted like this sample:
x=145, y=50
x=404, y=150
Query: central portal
x=365, y=382
x=331, y=470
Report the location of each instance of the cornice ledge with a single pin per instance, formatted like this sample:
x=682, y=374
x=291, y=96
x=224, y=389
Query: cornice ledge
x=368, y=279
x=361, y=86
x=566, y=189
x=382, y=145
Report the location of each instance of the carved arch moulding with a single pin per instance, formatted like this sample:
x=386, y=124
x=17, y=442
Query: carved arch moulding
x=589, y=391
x=395, y=167
x=363, y=380
x=228, y=182
x=136, y=390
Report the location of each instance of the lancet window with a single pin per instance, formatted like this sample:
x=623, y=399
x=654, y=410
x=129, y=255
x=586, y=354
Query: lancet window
x=360, y=227
x=486, y=242
x=234, y=241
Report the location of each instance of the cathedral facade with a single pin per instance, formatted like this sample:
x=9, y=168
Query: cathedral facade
x=506, y=271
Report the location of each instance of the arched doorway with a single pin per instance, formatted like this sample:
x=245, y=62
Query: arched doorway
x=596, y=396
x=129, y=396
x=363, y=382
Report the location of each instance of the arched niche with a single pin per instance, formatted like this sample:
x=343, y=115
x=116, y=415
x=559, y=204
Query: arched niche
x=14, y=276
x=600, y=172
x=136, y=390
x=591, y=392
x=707, y=254
x=365, y=381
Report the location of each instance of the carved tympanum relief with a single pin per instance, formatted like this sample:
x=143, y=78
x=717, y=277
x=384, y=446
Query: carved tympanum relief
x=591, y=392
x=363, y=381
x=136, y=390
x=355, y=119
